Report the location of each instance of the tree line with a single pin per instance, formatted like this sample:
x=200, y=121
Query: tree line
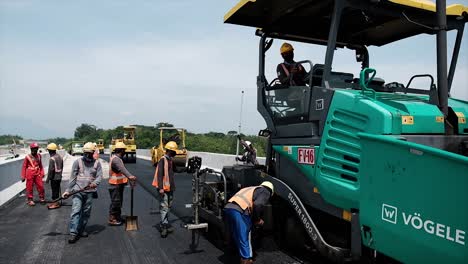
x=147, y=137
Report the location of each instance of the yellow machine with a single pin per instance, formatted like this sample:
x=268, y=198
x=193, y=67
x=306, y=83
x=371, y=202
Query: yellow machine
x=167, y=134
x=129, y=140
x=100, y=145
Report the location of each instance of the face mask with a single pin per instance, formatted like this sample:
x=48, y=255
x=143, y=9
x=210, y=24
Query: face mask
x=88, y=156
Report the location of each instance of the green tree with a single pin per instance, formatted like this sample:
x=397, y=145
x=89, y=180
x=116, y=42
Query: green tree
x=85, y=130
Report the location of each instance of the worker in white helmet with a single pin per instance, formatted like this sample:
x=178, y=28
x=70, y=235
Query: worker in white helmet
x=250, y=153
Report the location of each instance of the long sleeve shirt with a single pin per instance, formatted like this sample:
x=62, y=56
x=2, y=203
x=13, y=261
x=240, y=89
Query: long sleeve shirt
x=118, y=166
x=261, y=196
x=250, y=156
x=33, y=169
x=55, y=167
x=91, y=168
x=288, y=78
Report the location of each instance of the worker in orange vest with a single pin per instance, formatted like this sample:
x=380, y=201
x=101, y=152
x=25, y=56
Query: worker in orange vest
x=33, y=172
x=243, y=209
x=118, y=178
x=164, y=181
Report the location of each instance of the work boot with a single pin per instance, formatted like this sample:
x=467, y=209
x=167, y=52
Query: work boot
x=72, y=239
x=163, y=231
x=53, y=205
x=42, y=201
x=30, y=203
x=113, y=221
x=169, y=228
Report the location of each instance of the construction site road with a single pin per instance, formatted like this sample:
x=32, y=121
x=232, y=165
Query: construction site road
x=38, y=235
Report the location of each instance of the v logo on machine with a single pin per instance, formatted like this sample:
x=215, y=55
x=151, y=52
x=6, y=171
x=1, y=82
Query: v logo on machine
x=389, y=213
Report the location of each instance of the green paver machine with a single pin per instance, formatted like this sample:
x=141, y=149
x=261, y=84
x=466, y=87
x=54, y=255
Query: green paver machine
x=363, y=169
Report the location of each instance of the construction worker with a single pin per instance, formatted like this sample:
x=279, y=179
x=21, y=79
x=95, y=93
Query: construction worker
x=243, y=209
x=289, y=72
x=54, y=174
x=250, y=153
x=164, y=181
x=33, y=172
x=85, y=177
x=118, y=178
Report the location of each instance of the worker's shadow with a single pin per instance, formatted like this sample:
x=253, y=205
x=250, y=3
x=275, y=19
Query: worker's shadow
x=95, y=229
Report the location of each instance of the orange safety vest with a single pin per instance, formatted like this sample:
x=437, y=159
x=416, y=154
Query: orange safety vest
x=34, y=163
x=166, y=183
x=114, y=177
x=244, y=198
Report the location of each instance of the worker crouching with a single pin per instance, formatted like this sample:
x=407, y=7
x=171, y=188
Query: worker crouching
x=244, y=210
x=85, y=177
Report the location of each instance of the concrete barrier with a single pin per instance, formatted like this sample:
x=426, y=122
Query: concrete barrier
x=10, y=176
x=212, y=160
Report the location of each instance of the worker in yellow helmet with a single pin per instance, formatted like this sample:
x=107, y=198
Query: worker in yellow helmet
x=289, y=72
x=164, y=181
x=85, y=177
x=54, y=174
x=244, y=210
x=119, y=176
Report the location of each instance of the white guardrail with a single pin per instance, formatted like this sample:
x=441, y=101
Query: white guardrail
x=10, y=176
x=10, y=170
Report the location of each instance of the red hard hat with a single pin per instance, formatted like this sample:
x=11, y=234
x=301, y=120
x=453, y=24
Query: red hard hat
x=34, y=145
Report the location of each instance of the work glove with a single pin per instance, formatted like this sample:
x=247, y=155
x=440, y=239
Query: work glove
x=239, y=137
x=260, y=222
x=65, y=195
x=238, y=159
x=22, y=180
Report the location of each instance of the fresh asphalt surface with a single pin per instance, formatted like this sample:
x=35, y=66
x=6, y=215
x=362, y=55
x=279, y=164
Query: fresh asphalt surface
x=37, y=235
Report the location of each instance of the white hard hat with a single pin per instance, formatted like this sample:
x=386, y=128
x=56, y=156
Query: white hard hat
x=248, y=143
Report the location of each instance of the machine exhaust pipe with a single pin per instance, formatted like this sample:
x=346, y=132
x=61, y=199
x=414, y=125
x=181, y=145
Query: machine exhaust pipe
x=442, y=82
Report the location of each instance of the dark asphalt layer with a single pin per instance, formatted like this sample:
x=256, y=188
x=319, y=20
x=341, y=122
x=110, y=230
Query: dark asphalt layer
x=37, y=235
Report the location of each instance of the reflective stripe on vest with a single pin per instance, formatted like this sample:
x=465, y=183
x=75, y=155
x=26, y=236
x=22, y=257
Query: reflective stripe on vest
x=81, y=176
x=244, y=198
x=55, y=162
x=285, y=69
x=166, y=182
x=34, y=165
x=114, y=177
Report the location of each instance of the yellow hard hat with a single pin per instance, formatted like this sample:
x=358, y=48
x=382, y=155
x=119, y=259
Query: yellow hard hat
x=52, y=146
x=286, y=47
x=120, y=145
x=268, y=185
x=88, y=147
x=171, y=145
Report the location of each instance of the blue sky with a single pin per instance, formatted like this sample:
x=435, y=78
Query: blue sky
x=111, y=63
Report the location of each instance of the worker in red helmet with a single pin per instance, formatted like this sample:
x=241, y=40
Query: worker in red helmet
x=33, y=172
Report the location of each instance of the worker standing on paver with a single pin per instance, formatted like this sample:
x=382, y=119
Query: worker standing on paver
x=250, y=153
x=164, y=181
x=243, y=209
x=33, y=172
x=118, y=178
x=54, y=174
x=85, y=177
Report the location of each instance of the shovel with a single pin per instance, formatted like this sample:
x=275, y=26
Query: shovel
x=131, y=222
x=69, y=195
